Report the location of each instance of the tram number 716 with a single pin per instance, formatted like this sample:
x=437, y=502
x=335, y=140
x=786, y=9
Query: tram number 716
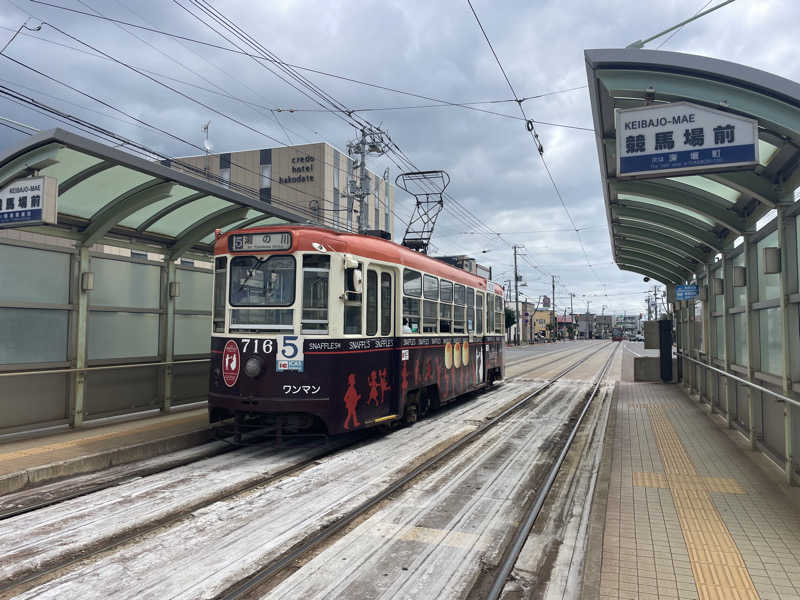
x=267, y=346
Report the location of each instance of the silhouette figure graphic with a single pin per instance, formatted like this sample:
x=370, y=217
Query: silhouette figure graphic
x=351, y=398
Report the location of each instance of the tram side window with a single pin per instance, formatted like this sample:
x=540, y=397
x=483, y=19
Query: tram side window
x=386, y=304
x=445, y=306
x=220, y=273
x=499, y=315
x=412, y=286
x=410, y=315
x=352, y=303
x=430, y=291
x=372, y=302
x=470, y=309
x=479, y=313
x=459, y=297
x=316, y=269
x=489, y=313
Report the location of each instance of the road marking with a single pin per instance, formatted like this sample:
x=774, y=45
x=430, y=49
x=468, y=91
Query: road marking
x=718, y=567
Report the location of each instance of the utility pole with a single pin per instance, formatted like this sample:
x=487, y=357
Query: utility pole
x=572, y=312
x=555, y=319
x=516, y=296
x=371, y=142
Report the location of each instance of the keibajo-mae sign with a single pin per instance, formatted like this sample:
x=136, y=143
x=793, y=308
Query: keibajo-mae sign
x=682, y=137
x=29, y=201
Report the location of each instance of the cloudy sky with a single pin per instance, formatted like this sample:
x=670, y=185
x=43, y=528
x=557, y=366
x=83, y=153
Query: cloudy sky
x=433, y=49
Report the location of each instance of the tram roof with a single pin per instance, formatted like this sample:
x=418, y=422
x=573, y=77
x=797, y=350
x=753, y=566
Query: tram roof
x=367, y=246
x=662, y=227
x=107, y=195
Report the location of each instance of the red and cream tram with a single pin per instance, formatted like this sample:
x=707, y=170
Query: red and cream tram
x=317, y=328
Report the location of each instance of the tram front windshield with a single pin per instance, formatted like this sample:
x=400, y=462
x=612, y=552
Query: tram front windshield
x=262, y=281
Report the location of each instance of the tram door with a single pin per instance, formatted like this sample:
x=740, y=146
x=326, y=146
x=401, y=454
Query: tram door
x=379, y=365
x=480, y=366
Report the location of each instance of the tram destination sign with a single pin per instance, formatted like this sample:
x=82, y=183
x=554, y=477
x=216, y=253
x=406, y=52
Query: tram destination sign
x=30, y=201
x=254, y=242
x=682, y=137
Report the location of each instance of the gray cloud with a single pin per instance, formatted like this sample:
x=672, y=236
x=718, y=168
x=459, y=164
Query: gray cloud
x=431, y=48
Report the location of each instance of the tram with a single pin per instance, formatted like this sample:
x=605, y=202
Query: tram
x=617, y=334
x=316, y=329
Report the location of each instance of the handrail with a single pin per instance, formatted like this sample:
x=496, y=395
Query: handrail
x=103, y=368
x=740, y=380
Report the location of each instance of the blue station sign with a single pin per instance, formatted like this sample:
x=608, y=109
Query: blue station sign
x=681, y=137
x=685, y=292
x=30, y=201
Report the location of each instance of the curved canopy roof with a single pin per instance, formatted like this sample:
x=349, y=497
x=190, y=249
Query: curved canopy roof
x=108, y=195
x=663, y=227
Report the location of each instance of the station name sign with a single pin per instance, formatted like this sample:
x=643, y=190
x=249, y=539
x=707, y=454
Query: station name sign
x=682, y=137
x=30, y=201
x=686, y=292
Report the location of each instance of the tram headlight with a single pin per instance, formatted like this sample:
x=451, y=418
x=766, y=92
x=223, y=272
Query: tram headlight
x=253, y=367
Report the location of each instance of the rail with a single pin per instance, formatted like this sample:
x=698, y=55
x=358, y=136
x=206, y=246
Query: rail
x=730, y=375
x=243, y=588
x=103, y=368
x=524, y=530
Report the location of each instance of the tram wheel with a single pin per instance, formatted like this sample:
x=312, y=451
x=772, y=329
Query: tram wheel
x=410, y=416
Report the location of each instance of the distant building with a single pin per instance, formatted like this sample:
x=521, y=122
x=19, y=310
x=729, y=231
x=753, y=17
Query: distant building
x=603, y=326
x=310, y=179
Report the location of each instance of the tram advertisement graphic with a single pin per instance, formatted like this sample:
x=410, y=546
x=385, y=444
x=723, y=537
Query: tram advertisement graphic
x=230, y=363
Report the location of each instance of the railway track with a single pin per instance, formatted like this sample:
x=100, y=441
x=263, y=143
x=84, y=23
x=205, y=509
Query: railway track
x=259, y=578
x=327, y=532
x=521, y=535
x=36, y=498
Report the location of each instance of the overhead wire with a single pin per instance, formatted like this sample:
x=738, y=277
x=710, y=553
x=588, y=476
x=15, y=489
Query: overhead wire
x=465, y=105
x=535, y=137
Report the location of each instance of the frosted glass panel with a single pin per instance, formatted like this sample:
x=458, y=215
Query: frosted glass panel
x=184, y=217
x=37, y=275
x=719, y=337
x=140, y=216
x=771, y=341
x=768, y=285
x=740, y=293
x=32, y=335
x=740, y=356
x=92, y=194
x=192, y=334
x=718, y=302
x=120, y=283
x=122, y=335
x=195, y=290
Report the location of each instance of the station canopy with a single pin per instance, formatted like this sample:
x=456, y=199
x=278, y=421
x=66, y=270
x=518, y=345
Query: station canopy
x=663, y=224
x=109, y=196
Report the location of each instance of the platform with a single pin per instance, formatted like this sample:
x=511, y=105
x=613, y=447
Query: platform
x=684, y=510
x=47, y=457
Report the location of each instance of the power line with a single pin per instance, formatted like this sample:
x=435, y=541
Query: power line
x=535, y=137
x=465, y=105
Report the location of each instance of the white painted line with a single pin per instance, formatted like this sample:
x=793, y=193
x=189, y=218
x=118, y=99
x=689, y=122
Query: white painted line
x=631, y=351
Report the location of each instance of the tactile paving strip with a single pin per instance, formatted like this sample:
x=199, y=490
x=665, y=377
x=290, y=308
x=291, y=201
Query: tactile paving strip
x=717, y=565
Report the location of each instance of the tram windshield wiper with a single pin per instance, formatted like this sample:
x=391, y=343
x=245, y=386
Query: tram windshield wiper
x=251, y=272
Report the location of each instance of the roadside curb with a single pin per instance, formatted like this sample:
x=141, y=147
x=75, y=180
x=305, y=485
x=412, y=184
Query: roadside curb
x=13, y=482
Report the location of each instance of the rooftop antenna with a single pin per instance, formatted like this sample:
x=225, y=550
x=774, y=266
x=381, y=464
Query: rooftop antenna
x=206, y=144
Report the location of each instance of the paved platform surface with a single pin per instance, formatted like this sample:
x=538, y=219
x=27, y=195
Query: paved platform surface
x=690, y=512
x=31, y=453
